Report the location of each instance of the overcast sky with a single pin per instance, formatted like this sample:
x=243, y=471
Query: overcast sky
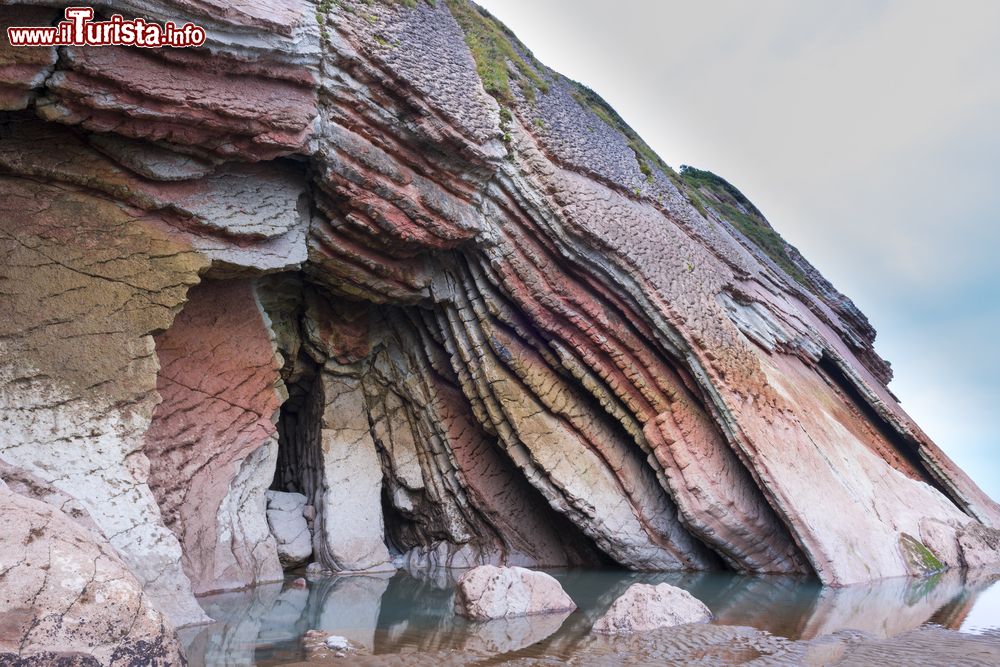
x=867, y=131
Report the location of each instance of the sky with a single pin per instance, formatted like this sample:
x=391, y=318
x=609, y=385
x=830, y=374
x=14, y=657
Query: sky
x=868, y=133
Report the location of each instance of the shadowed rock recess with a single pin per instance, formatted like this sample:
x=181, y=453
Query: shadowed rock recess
x=375, y=254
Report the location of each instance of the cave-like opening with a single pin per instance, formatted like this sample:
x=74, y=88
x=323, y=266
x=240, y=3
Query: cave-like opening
x=297, y=426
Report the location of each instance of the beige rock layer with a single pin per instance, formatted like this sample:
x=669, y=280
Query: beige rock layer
x=68, y=598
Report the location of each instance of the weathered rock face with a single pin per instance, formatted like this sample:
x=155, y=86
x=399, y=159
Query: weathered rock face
x=212, y=443
x=67, y=596
x=643, y=608
x=79, y=388
x=488, y=592
x=287, y=521
x=443, y=293
x=350, y=535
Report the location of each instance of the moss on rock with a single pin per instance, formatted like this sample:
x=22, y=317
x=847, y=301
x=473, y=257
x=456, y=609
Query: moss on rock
x=919, y=558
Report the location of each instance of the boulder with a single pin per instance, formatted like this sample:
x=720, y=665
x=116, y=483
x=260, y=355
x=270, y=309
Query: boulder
x=288, y=525
x=941, y=539
x=67, y=598
x=980, y=545
x=644, y=607
x=488, y=592
x=319, y=645
x=24, y=483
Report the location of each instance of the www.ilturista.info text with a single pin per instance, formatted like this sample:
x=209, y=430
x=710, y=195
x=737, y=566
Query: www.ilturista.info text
x=79, y=29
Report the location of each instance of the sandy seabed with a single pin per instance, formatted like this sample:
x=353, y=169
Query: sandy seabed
x=723, y=645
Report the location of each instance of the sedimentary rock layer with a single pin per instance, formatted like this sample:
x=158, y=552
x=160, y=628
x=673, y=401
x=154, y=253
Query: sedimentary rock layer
x=375, y=254
x=86, y=283
x=212, y=443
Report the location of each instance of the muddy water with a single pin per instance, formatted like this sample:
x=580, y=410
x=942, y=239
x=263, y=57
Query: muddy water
x=949, y=619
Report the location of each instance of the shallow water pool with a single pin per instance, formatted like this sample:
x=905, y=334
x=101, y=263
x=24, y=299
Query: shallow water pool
x=407, y=618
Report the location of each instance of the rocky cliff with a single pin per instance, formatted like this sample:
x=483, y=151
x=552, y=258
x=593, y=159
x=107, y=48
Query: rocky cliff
x=374, y=253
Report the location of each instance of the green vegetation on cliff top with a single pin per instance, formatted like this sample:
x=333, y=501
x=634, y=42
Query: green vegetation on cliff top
x=702, y=188
x=710, y=191
x=492, y=45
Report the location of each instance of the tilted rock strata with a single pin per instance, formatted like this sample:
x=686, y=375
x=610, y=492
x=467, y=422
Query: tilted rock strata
x=24, y=71
x=507, y=332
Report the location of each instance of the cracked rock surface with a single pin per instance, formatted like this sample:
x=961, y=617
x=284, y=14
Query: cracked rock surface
x=68, y=598
x=286, y=519
x=644, y=607
x=454, y=303
x=488, y=592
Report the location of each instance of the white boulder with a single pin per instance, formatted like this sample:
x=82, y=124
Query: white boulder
x=644, y=607
x=288, y=524
x=488, y=592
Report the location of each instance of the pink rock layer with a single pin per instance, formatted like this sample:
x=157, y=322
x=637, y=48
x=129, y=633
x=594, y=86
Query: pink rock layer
x=212, y=442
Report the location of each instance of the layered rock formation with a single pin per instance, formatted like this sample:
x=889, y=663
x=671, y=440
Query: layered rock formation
x=376, y=254
x=212, y=440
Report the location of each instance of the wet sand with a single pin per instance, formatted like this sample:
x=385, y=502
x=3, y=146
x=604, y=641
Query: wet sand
x=724, y=645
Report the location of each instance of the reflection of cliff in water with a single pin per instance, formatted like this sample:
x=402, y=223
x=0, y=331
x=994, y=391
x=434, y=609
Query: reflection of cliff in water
x=414, y=612
x=265, y=624
x=883, y=609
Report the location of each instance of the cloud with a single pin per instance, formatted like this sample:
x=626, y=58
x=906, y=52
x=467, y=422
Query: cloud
x=865, y=131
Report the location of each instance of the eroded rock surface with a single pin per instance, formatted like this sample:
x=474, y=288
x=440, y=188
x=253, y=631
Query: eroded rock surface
x=78, y=388
x=288, y=524
x=212, y=443
x=644, y=607
x=488, y=592
x=68, y=598
x=444, y=294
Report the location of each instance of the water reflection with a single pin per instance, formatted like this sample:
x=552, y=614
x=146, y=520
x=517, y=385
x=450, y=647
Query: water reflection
x=412, y=613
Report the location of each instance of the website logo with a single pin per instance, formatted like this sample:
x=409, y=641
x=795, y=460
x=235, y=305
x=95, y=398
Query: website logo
x=79, y=29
